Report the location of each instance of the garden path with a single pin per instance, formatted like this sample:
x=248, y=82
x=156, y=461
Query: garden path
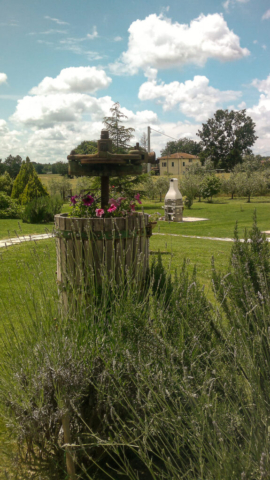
x=28, y=238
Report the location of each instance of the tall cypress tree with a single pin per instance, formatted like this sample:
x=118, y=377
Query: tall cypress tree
x=34, y=189
x=20, y=182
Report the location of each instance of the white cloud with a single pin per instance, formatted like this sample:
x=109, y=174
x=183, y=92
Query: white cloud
x=229, y=3
x=52, y=31
x=3, y=78
x=73, y=80
x=264, y=47
x=260, y=113
x=94, y=33
x=56, y=20
x=74, y=45
x=195, y=98
x=118, y=39
x=242, y=105
x=159, y=43
x=48, y=110
x=266, y=15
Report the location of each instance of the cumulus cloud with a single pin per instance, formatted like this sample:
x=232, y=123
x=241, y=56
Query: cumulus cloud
x=266, y=15
x=94, y=33
x=261, y=116
x=46, y=110
x=195, y=98
x=157, y=42
x=3, y=78
x=73, y=80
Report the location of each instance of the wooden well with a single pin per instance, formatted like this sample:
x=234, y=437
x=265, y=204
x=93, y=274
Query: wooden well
x=92, y=250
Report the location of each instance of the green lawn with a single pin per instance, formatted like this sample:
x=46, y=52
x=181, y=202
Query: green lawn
x=222, y=214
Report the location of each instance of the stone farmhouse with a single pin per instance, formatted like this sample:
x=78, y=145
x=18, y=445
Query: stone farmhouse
x=177, y=163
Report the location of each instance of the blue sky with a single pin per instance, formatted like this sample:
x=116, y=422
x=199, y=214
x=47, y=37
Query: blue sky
x=170, y=65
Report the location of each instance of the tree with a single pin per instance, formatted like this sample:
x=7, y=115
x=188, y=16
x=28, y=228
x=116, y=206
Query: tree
x=26, y=171
x=162, y=186
x=185, y=145
x=60, y=186
x=87, y=147
x=226, y=137
x=191, y=187
x=211, y=185
x=144, y=142
x=230, y=185
x=119, y=134
x=34, y=189
x=251, y=184
x=6, y=183
x=13, y=165
x=60, y=168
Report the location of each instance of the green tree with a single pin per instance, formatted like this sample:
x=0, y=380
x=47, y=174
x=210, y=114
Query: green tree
x=34, y=189
x=119, y=134
x=60, y=168
x=13, y=165
x=87, y=147
x=211, y=185
x=162, y=186
x=185, y=145
x=251, y=184
x=26, y=171
x=60, y=186
x=230, y=185
x=6, y=183
x=191, y=186
x=226, y=137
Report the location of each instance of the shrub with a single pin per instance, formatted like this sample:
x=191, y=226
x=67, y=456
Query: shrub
x=9, y=208
x=6, y=183
x=33, y=190
x=42, y=210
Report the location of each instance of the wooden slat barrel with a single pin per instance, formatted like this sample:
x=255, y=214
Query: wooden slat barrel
x=93, y=250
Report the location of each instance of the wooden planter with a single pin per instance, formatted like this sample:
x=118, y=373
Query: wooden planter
x=93, y=249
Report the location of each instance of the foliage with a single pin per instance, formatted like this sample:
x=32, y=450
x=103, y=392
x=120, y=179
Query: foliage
x=87, y=147
x=128, y=186
x=34, y=189
x=26, y=171
x=226, y=137
x=84, y=206
x=42, y=209
x=191, y=187
x=230, y=185
x=210, y=186
x=12, y=165
x=119, y=134
x=6, y=183
x=9, y=208
x=162, y=186
x=251, y=163
x=185, y=145
x=251, y=184
x=60, y=168
x=60, y=186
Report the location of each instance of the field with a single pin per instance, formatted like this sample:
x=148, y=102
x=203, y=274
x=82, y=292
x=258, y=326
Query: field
x=25, y=266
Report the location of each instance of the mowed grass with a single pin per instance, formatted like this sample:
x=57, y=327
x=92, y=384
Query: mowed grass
x=222, y=216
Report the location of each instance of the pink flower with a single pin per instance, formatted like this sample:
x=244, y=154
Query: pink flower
x=99, y=212
x=112, y=208
x=73, y=199
x=137, y=197
x=88, y=200
x=132, y=206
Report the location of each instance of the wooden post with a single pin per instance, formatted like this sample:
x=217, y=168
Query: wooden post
x=104, y=191
x=67, y=439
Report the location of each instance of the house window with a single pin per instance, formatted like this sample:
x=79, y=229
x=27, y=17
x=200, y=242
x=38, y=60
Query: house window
x=190, y=160
x=184, y=164
x=164, y=164
x=172, y=164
